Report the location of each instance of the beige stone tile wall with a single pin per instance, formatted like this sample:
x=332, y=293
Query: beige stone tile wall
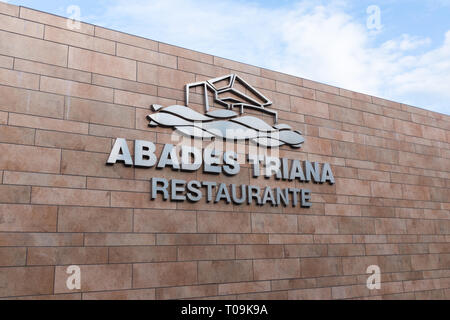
x=65, y=95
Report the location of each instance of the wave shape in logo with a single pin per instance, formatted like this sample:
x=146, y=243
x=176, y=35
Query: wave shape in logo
x=230, y=91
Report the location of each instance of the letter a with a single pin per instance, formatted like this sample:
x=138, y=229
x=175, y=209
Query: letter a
x=74, y=281
x=374, y=281
x=120, y=152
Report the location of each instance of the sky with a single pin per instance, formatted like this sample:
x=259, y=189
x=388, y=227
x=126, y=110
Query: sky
x=393, y=49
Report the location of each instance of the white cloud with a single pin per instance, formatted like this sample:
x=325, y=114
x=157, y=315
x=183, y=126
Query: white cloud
x=406, y=42
x=318, y=42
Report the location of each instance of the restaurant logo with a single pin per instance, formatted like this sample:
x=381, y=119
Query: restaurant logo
x=233, y=110
x=231, y=106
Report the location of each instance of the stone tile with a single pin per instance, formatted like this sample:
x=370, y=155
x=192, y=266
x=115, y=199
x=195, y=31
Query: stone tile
x=52, y=20
x=336, y=134
x=305, y=250
x=279, y=76
x=12, y=257
x=16, y=135
x=225, y=271
x=185, y=53
x=333, y=239
x=309, y=107
x=216, y=252
x=342, y=210
x=15, y=194
x=23, y=120
x=39, y=281
x=310, y=294
x=186, y=239
x=243, y=287
x=96, y=278
x=119, y=239
x=242, y=238
x=355, y=225
x=164, y=77
x=66, y=256
x=138, y=201
x=416, y=192
x=317, y=146
x=92, y=164
x=274, y=223
x=223, y=222
x=140, y=294
x=6, y=62
x=125, y=38
x=27, y=158
x=50, y=297
x=186, y=292
x=378, y=122
x=164, y=221
x=118, y=184
x=278, y=295
x=9, y=9
x=319, y=267
x=259, y=251
x=201, y=68
x=276, y=269
x=77, y=39
x=408, y=128
x=76, y=89
x=79, y=219
x=126, y=254
x=11, y=239
x=70, y=197
x=386, y=190
x=16, y=45
x=345, y=250
x=101, y=63
x=290, y=238
x=355, y=95
x=51, y=71
x=141, y=101
x=349, y=150
x=164, y=274
x=19, y=79
x=346, y=115
x=72, y=141
x=99, y=113
x=147, y=56
x=320, y=86
x=295, y=90
x=333, y=99
x=125, y=85
x=31, y=102
x=318, y=224
x=225, y=63
x=353, y=187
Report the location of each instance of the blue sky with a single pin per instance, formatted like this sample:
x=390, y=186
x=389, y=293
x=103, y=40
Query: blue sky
x=406, y=60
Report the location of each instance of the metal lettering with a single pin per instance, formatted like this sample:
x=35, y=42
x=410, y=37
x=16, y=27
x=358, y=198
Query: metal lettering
x=169, y=158
x=212, y=162
x=144, y=154
x=156, y=188
x=120, y=152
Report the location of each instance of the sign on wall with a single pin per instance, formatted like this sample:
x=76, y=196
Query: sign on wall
x=235, y=112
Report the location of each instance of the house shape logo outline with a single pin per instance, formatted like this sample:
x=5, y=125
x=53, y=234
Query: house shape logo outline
x=230, y=102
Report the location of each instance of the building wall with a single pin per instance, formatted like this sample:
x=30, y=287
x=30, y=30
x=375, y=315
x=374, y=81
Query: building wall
x=65, y=96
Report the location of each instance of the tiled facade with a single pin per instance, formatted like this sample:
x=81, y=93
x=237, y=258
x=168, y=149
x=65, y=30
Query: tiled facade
x=65, y=95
